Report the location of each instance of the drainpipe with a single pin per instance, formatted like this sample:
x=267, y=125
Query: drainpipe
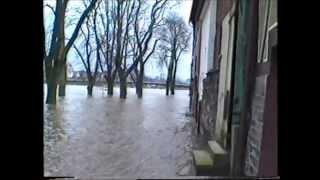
x=245, y=56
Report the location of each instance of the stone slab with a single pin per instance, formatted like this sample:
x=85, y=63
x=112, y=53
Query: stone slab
x=202, y=158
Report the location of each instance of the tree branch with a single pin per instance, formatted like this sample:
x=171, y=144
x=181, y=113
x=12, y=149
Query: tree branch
x=81, y=57
x=79, y=24
x=153, y=48
x=52, y=9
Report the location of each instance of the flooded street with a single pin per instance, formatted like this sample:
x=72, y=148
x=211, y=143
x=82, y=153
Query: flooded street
x=103, y=137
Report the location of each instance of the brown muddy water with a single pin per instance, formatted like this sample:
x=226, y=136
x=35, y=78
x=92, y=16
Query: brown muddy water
x=107, y=137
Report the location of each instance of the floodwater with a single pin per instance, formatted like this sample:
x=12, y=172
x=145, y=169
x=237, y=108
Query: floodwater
x=107, y=137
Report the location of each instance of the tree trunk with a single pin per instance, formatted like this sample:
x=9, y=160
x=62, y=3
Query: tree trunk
x=136, y=72
x=173, y=81
x=172, y=86
x=51, y=92
x=110, y=87
x=168, y=83
x=52, y=84
x=169, y=76
x=62, y=82
x=123, y=87
x=62, y=90
x=90, y=88
x=110, y=83
x=139, y=87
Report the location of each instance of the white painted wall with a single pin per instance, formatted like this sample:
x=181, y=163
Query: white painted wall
x=225, y=74
x=222, y=76
x=212, y=32
x=208, y=32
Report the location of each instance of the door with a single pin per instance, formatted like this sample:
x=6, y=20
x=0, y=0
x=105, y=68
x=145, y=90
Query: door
x=227, y=41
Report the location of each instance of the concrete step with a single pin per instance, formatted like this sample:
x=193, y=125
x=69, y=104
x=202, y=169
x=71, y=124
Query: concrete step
x=203, y=162
x=216, y=148
x=218, y=152
x=220, y=157
x=212, y=160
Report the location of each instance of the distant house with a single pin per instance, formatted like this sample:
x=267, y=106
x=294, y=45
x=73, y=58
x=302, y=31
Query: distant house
x=81, y=75
x=76, y=74
x=70, y=71
x=100, y=77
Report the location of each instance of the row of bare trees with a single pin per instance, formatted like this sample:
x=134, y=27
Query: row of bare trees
x=116, y=37
x=130, y=40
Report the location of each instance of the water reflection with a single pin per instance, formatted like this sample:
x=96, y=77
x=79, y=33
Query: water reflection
x=106, y=136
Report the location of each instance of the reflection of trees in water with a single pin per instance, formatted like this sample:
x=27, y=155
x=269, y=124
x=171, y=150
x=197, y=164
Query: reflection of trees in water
x=54, y=131
x=54, y=136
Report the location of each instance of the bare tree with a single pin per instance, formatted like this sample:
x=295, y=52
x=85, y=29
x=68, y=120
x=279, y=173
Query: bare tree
x=127, y=45
x=175, y=37
x=90, y=64
x=142, y=38
x=124, y=20
x=107, y=41
x=55, y=60
x=115, y=20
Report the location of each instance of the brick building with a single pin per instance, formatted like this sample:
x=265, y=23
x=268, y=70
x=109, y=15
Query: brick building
x=234, y=81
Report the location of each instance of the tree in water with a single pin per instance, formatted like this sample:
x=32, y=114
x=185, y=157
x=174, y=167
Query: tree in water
x=130, y=41
x=90, y=63
x=175, y=38
x=106, y=12
x=143, y=37
x=55, y=59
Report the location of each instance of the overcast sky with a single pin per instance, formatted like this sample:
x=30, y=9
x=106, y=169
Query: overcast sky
x=183, y=71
